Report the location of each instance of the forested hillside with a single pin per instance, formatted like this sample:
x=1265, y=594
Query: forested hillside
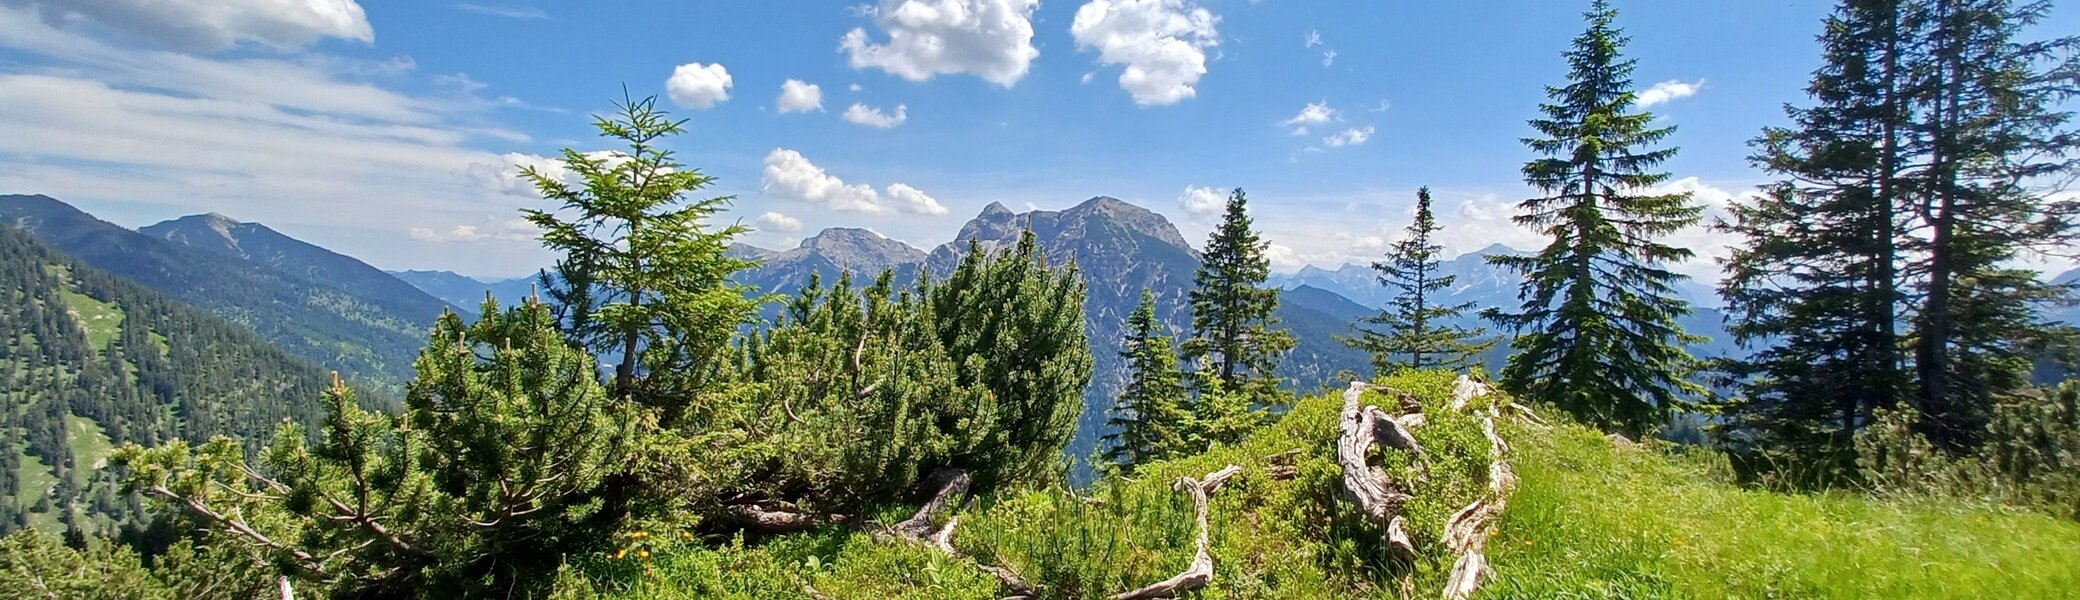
x=257, y=244
x=334, y=327
x=94, y=361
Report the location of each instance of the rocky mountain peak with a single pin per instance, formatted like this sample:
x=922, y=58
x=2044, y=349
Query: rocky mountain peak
x=848, y=245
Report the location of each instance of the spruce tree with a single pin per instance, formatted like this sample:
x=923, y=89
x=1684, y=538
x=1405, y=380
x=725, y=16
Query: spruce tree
x=1597, y=332
x=661, y=292
x=1150, y=420
x=1235, y=337
x=1993, y=137
x=1415, y=329
x=1816, y=282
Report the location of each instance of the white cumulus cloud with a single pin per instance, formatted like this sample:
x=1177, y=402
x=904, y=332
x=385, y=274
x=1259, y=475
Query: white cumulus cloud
x=1673, y=89
x=1202, y=200
x=912, y=200
x=503, y=176
x=779, y=222
x=799, y=96
x=861, y=114
x=210, y=25
x=990, y=39
x=791, y=176
x=1355, y=136
x=695, y=85
x=1160, y=43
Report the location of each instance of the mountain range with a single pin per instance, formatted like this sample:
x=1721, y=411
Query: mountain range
x=325, y=307
x=340, y=313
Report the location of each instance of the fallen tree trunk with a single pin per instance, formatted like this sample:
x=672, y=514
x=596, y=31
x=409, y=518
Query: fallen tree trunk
x=780, y=517
x=1200, y=572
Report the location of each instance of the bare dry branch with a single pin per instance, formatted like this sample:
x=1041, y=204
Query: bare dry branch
x=1200, y=572
x=952, y=488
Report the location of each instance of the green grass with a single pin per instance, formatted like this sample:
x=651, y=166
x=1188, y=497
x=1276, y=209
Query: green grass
x=90, y=447
x=1645, y=523
x=1586, y=521
x=101, y=320
x=36, y=482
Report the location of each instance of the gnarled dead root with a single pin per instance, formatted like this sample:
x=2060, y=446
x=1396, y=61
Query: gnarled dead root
x=1377, y=496
x=1201, y=570
x=1467, y=532
x=918, y=529
x=1381, y=499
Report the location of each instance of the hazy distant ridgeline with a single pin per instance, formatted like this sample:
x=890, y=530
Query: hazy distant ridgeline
x=323, y=306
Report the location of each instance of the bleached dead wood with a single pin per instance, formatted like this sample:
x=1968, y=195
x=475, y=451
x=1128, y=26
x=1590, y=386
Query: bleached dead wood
x=1011, y=583
x=1380, y=498
x=1465, y=390
x=1529, y=417
x=1397, y=539
x=1467, y=532
x=780, y=517
x=953, y=485
x=918, y=529
x=1200, y=572
x=1375, y=494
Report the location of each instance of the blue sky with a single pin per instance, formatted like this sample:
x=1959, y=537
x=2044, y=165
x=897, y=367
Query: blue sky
x=388, y=129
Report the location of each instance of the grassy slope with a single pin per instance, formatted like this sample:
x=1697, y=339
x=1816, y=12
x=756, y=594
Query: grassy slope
x=1642, y=524
x=1587, y=521
x=101, y=320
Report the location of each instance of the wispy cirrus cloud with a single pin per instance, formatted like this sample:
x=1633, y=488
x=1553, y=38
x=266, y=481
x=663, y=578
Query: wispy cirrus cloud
x=503, y=10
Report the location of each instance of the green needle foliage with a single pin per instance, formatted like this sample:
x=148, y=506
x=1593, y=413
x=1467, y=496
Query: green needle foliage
x=1908, y=191
x=1415, y=330
x=1816, y=285
x=855, y=398
x=1597, y=333
x=1235, y=335
x=1017, y=328
x=648, y=278
x=483, y=483
x=1151, y=419
x=1992, y=144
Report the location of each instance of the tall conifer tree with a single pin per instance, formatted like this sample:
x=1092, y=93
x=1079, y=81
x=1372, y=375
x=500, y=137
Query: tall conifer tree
x=1815, y=282
x=1597, y=334
x=1993, y=136
x=1235, y=337
x=1415, y=330
x=1150, y=419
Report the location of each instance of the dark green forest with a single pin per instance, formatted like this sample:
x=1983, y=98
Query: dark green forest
x=97, y=361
